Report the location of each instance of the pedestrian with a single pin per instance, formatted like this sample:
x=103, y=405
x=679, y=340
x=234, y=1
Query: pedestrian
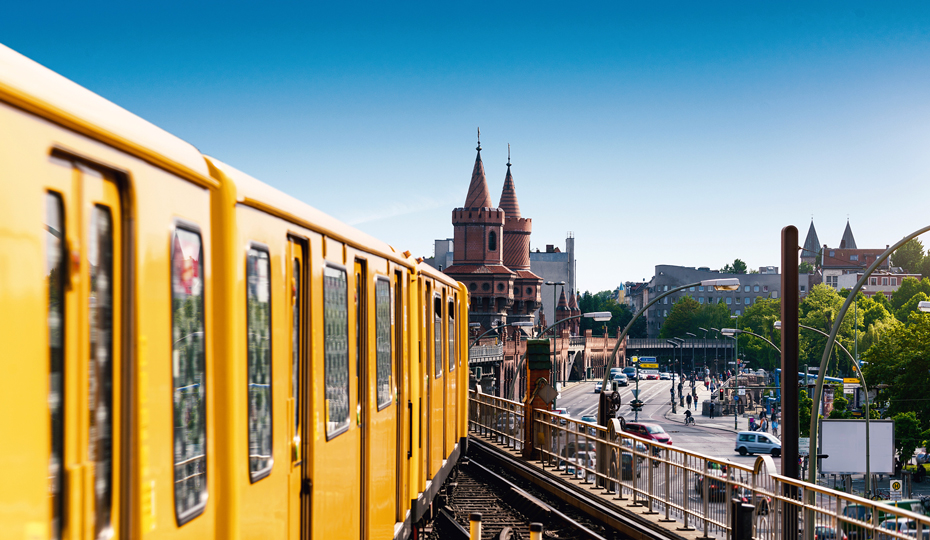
x=689, y=401
x=752, y=424
x=710, y=409
x=775, y=427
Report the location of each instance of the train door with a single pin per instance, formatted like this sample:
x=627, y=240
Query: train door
x=299, y=503
x=361, y=371
x=88, y=391
x=404, y=421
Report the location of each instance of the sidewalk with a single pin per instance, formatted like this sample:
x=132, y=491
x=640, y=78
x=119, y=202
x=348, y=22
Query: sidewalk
x=724, y=423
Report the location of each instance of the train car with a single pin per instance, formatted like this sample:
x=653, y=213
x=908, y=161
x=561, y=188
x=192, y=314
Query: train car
x=190, y=353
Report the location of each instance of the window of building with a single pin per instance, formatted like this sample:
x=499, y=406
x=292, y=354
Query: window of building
x=894, y=282
x=492, y=241
x=738, y=312
x=701, y=288
x=832, y=253
x=729, y=300
x=665, y=313
x=701, y=300
x=765, y=288
x=189, y=375
x=258, y=338
x=691, y=289
x=873, y=281
x=774, y=294
x=755, y=288
x=336, y=349
x=746, y=288
x=666, y=288
x=854, y=257
x=803, y=288
x=748, y=299
x=665, y=300
x=884, y=281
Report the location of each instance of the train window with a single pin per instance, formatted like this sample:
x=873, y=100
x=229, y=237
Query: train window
x=383, y=337
x=56, y=273
x=188, y=368
x=437, y=333
x=100, y=372
x=451, y=336
x=258, y=315
x=336, y=344
x=295, y=342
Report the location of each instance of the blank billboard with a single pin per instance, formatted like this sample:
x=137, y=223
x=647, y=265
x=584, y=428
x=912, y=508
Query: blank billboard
x=844, y=442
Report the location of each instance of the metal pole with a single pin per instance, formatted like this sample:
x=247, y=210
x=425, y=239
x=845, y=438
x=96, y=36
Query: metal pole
x=789, y=365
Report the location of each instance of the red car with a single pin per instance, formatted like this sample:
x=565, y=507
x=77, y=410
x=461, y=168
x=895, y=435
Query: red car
x=653, y=432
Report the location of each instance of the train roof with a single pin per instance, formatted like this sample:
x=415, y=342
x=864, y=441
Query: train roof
x=254, y=193
x=428, y=270
x=28, y=85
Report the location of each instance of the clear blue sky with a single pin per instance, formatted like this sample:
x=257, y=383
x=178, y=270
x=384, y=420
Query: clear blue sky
x=658, y=132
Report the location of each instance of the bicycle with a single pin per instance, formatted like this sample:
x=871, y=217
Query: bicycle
x=881, y=495
x=689, y=420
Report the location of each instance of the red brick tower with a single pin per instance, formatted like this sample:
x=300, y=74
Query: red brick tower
x=478, y=252
x=573, y=305
x=516, y=243
x=563, y=312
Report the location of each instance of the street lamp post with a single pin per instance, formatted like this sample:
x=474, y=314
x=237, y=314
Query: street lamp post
x=704, y=346
x=554, y=368
x=692, y=350
x=825, y=358
x=673, y=343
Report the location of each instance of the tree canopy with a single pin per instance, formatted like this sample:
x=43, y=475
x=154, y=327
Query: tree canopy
x=910, y=256
x=738, y=267
x=620, y=315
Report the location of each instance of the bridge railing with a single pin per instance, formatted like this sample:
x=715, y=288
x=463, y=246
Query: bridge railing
x=499, y=419
x=485, y=351
x=693, y=489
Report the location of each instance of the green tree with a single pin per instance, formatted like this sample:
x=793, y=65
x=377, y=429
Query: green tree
x=683, y=318
x=805, y=268
x=738, y=267
x=713, y=316
x=910, y=256
x=620, y=315
x=899, y=366
x=907, y=435
x=909, y=287
x=880, y=298
x=760, y=318
x=910, y=306
x=819, y=310
x=840, y=406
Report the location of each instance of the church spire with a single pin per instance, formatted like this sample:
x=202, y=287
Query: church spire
x=478, y=195
x=848, y=242
x=509, y=203
x=811, y=244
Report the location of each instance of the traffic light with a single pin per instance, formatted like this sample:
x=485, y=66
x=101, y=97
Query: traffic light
x=721, y=394
x=636, y=405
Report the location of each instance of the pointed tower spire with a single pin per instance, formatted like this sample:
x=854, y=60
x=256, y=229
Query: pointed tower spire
x=478, y=195
x=811, y=245
x=509, y=203
x=848, y=241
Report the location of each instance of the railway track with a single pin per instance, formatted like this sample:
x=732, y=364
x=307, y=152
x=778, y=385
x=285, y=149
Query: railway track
x=506, y=509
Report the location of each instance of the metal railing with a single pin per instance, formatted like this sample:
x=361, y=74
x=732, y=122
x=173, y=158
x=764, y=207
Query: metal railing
x=486, y=351
x=693, y=489
x=576, y=341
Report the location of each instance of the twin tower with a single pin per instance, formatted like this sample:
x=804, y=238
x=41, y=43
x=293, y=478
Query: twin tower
x=491, y=253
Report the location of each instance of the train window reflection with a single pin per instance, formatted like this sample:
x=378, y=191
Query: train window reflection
x=55, y=269
x=383, y=337
x=437, y=334
x=188, y=370
x=100, y=372
x=336, y=345
x=451, y=336
x=258, y=315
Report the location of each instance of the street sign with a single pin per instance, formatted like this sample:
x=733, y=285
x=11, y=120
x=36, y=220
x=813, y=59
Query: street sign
x=895, y=490
x=635, y=393
x=850, y=380
x=634, y=360
x=742, y=391
x=850, y=388
x=804, y=444
x=649, y=366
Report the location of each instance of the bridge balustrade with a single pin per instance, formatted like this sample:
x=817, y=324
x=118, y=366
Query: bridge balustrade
x=690, y=489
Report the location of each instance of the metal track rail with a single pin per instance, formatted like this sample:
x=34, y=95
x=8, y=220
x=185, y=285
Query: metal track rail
x=573, y=495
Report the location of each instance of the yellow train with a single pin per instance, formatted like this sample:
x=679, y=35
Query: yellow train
x=188, y=353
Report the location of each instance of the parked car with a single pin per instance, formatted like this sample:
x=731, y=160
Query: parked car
x=923, y=458
x=902, y=525
x=754, y=442
x=598, y=386
x=653, y=432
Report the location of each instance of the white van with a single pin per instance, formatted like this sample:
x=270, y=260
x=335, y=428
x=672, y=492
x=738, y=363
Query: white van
x=757, y=442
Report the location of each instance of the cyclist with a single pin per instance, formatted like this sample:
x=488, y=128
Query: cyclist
x=688, y=418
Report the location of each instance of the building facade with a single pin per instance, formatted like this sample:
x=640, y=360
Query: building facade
x=555, y=265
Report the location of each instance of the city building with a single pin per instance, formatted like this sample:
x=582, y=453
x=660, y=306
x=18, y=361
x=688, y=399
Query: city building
x=752, y=288
x=555, y=265
x=884, y=282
